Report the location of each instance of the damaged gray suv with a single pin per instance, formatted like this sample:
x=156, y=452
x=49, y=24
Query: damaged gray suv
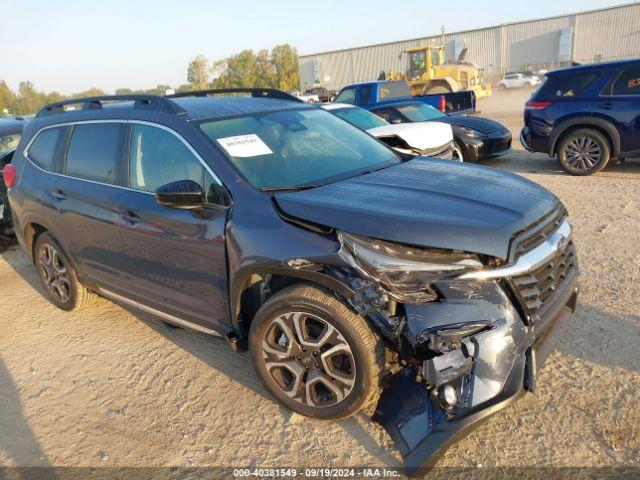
x=352, y=273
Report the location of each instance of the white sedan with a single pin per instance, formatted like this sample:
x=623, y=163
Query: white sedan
x=430, y=139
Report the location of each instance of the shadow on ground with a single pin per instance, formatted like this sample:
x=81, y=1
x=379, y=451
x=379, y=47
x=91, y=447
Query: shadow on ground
x=17, y=440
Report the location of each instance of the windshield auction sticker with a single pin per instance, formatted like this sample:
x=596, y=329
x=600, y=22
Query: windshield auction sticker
x=244, y=146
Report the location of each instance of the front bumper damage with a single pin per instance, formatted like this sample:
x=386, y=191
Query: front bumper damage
x=490, y=370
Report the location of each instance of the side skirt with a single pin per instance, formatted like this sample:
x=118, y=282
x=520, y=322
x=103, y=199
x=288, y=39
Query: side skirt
x=165, y=316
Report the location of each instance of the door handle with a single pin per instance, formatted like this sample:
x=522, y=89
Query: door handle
x=606, y=106
x=130, y=217
x=58, y=194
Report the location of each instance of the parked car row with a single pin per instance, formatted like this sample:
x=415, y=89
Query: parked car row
x=343, y=266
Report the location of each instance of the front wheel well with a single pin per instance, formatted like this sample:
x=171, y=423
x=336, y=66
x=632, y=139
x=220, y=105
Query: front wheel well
x=581, y=126
x=261, y=287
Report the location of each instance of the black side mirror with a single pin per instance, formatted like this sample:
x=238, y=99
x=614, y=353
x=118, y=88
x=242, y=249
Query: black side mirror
x=183, y=194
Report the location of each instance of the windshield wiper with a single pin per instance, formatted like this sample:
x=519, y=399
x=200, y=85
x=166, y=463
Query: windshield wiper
x=289, y=188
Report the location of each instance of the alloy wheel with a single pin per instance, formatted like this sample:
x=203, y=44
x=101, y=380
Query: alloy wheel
x=583, y=153
x=309, y=359
x=54, y=273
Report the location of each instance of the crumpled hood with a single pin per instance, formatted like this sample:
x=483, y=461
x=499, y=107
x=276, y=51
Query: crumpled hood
x=419, y=135
x=483, y=125
x=429, y=203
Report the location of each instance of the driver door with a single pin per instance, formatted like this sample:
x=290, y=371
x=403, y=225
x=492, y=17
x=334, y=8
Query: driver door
x=175, y=259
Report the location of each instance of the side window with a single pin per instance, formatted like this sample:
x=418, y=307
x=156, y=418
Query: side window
x=365, y=94
x=347, y=95
x=628, y=83
x=158, y=157
x=93, y=152
x=42, y=151
x=566, y=85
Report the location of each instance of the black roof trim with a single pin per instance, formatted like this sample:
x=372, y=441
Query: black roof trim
x=255, y=92
x=151, y=102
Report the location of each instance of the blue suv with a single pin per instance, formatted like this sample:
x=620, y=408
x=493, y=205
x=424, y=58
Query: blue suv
x=586, y=115
x=343, y=266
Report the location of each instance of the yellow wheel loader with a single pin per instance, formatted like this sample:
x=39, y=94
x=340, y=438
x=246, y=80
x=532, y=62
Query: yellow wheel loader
x=429, y=73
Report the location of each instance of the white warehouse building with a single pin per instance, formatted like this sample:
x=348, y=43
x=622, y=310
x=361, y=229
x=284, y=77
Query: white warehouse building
x=584, y=37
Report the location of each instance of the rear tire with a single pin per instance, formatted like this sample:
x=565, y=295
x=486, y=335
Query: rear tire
x=583, y=152
x=314, y=355
x=57, y=276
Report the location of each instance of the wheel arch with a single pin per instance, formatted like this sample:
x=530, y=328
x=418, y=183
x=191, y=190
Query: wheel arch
x=31, y=233
x=252, y=286
x=602, y=126
x=448, y=82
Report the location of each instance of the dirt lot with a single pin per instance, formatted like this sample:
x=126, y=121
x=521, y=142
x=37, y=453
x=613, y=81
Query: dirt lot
x=113, y=387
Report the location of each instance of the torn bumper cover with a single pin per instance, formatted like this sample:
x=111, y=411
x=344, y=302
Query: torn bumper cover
x=488, y=371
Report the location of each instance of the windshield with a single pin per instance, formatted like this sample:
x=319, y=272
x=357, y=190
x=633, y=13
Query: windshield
x=9, y=142
x=296, y=148
x=360, y=118
x=420, y=112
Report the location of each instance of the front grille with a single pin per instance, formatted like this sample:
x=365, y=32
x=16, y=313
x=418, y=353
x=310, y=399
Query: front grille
x=538, y=290
x=535, y=234
x=501, y=146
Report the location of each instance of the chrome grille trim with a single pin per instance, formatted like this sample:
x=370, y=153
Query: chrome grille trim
x=531, y=260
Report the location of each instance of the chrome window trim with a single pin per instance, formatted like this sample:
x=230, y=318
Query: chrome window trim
x=531, y=260
x=25, y=152
x=165, y=316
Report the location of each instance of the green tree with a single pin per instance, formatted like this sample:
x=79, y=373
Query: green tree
x=28, y=100
x=197, y=73
x=241, y=70
x=285, y=62
x=265, y=73
x=7, y=98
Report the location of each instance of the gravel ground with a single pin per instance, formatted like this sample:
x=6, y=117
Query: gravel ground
x=111, y=387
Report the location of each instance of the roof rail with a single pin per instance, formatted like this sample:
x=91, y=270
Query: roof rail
x=255, y=92
x=153, y=102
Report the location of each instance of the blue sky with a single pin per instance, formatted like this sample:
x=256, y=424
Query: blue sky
x=73, y=45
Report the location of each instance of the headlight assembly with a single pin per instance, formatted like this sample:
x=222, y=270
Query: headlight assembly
x=470, y=132
x=405, y=273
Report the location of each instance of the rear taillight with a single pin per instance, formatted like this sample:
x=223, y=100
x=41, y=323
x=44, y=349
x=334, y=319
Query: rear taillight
x=537, y=105
x=442, y=104
x=9, y=174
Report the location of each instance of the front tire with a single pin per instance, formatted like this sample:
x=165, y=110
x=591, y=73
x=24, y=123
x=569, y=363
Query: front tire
x=58, y=277
x=584, y=152
x=315, y=355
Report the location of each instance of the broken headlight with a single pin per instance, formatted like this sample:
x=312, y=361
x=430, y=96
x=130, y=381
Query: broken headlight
x=405, y=273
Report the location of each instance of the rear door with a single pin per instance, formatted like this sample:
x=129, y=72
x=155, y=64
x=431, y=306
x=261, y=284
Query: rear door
x=84, y=200
x=620, y=102
x=176, y=259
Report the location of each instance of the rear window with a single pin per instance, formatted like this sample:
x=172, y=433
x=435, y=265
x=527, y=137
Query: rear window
x=93, y=152
x=360, y=118
x=566, y=85
x=394, y=90
x=9, y=142
x=42, y=150
x=627, y=83
x=348, y=95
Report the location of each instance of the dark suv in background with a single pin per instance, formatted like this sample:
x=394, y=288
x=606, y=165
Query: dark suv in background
x=342, y=265
x=586, y=115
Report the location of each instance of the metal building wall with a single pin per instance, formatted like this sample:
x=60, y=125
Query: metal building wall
x=496, y=49
x=610, y=34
